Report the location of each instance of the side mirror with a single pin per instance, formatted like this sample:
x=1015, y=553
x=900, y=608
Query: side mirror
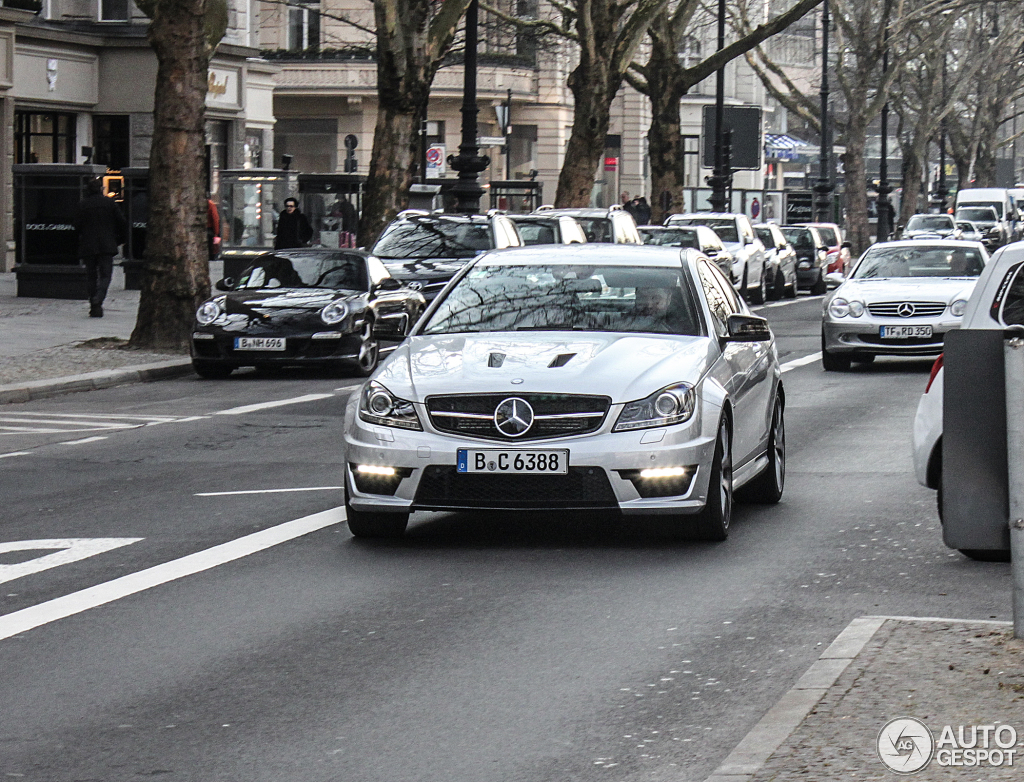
x=226, y=284
x=748, y=328
x=834, y=280
x=387, y=284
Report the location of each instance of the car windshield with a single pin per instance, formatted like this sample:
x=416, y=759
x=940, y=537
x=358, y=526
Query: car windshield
x=672, y=237
x=724, y=227
x=537, y=232
x=563, y=297
x=977, y=213
x=886, y=262
x=930, y=223
x=597, y=229
x=432, y=238
x=828, y=235
x=800, y=238
x=765, y=235
x=312, y=271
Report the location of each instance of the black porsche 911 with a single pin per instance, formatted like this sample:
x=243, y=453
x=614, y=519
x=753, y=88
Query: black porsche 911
x=304, y=307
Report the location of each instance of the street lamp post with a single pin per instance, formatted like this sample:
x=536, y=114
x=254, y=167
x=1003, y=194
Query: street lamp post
x=719, y=179
x=469, y=162
x=884, y=226
x=942, y=191
x=823, y=188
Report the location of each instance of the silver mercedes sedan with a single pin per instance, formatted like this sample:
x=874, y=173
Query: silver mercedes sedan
x=576, y=377
x=900, y=300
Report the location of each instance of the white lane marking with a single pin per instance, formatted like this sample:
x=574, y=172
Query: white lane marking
x=277, y=403
x=74, y=423
x=787, y=302
x=801, y=362
x=69, y=550
x=14, y=453
x=82, y=441
x=59, y=608
x=266, y=491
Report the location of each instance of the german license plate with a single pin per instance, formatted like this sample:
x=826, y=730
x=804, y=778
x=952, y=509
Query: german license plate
x=259, y=343
x=905, y=332
x=547, y=462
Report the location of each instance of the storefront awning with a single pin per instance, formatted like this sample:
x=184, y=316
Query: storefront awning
x=780, y=146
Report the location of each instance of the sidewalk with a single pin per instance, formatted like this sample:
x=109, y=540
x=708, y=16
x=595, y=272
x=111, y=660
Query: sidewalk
x=52, y=346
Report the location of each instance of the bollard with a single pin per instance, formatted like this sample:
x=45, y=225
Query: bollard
x=1013, y=352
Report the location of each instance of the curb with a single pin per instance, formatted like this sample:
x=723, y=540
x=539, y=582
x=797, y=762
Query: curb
x=91, y=381
x=785, y=716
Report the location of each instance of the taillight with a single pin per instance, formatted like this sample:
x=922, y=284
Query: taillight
x=935, y=370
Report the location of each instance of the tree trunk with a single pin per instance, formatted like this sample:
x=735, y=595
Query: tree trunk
x=665, y=88
x=858, y=232
x=395, y=151
x=593, y=87
x=177, y=275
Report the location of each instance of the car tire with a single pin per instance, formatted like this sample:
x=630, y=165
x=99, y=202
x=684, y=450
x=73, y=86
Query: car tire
x=369, y=351
x=987, y=554
x=759, y=294
x=833, y=362
x=820, y=287
x=778, y=286
x=766, y=488
x=713, y=521
x=209, y=370
x=379, y=526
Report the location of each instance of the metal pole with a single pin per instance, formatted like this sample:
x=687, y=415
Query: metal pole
x=823, y=189
x=942, y=191
x=1013, y=352
x=720, y=177
x=508, y=136
x=469, y=162
x=884, y=227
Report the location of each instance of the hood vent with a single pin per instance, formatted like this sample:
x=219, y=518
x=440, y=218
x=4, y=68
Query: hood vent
x=561, y=360
x=496, y=360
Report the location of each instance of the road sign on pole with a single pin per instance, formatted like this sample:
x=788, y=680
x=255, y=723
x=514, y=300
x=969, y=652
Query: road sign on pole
x=747, y=143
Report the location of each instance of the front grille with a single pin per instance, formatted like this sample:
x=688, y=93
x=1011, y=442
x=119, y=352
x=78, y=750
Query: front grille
x=921, y=309
x=442, y=488
x=555, y=415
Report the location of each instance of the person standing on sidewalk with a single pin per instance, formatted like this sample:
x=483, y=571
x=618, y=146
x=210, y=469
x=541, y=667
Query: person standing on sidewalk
x=101, y=228
x=293, y=228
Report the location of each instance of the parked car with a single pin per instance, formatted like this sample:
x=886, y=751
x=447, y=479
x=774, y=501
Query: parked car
x=699, y=237
x=811, y=257
x=1001, y=200
x=996, y=302
x=900, y=300
x=613, y=224
x=994, y=232
x=970, y=232
x=832, y=236
x=553, y=229
x=748, y=262
x=424, y=249
x=780, y=261
x=630, y=379
x=932, y=226
x=304, y=307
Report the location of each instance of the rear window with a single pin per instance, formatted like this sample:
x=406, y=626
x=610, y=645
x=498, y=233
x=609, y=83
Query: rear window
x=828, y=235
x=930, y=223
x=726, y=229
x=597, y=229
x=433, y=238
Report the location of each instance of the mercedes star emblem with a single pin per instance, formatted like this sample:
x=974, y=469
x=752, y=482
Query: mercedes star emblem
x=513, y=417
x=905, y=310
x=414, y=285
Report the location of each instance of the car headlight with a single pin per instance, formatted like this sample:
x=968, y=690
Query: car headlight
x=839, y=308
x=671, y=405
x=856, y=308
x=209, y=311
x=377, y=405
x=957, y=308
x=334, y=313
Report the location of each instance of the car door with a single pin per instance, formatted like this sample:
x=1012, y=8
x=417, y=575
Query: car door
x=746, y=367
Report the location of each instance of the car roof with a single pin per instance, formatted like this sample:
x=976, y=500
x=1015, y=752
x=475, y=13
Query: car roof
x=594, y=254
x=722, y=215
x=417, y=215
x=930, y=243
x=573, y=212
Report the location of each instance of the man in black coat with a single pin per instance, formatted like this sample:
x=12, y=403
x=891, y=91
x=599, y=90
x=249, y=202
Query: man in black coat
x=101, y=228
x=293, y=228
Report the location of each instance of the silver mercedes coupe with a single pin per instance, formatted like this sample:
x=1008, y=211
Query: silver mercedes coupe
x=576, y=377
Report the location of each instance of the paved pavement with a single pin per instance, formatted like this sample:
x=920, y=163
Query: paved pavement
x=943, y=672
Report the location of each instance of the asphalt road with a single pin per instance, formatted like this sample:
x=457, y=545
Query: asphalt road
x=505, y=648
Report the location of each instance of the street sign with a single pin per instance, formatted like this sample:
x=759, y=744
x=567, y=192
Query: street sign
x=745, y=123
x=611, y=163
x=351, y=142
x=755, y=208
x=490, y=141
x=435, y=160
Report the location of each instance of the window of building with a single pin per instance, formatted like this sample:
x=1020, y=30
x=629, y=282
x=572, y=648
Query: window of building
x=115, y=10
x=253, y=150
x=111, y=137
x=44, y=137
x=690, y=160
x=304, y=27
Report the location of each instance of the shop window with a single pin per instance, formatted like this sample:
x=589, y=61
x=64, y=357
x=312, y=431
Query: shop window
x=44, y=137
x=111, y=141
x=253, y=150
x=304, y=27
x=115, y=10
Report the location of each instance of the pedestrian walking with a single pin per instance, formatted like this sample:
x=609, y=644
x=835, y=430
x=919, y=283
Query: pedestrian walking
x=641, y=211
x=101, y=228
x=293, y=228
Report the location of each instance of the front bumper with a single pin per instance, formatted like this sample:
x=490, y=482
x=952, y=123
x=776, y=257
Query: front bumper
x=863, y=336
x=214, y=347
x=603, y=469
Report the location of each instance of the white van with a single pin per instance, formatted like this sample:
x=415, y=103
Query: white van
x=998, y=198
